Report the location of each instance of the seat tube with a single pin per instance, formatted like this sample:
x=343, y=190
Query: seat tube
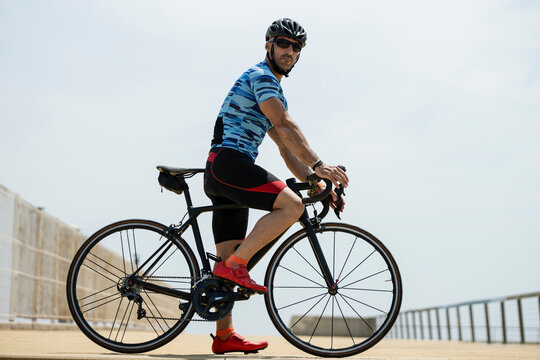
x=316, y=246
x=198, y=241
x=196, y=232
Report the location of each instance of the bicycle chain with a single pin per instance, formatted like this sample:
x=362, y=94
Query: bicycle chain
x=175, y=319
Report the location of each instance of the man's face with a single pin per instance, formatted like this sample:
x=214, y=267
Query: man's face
x=284, y=57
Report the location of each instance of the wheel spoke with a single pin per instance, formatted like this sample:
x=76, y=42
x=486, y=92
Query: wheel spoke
x=101, y=267
x=147, y=319
x=311, y=308
x=127, y=322
x=364, y=278
x=360, y=289
x=356, y=312
x=159, y=312
x=345, y=320
x=98, y=300
x=96, y=293
x=302, y=276
x=108, y=263
x=347, y=259
x=100, y=305
x=363, y=303
x=111, y=280
x=300, y=287
x=135, y=247
x=301, y=301
x=129, y=250
x=332, y=331
x=356, y=267
x=115, y=316
x=307, y=262
x=319, y=320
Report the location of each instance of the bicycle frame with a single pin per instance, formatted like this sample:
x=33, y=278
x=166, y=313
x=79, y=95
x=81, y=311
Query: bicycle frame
x=194, y=213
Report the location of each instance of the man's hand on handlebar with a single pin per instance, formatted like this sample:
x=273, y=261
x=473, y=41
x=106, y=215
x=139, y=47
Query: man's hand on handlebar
x=336, y=201
x=333, y=173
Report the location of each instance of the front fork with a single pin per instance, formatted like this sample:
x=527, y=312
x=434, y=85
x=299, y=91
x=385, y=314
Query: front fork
x=319, y=255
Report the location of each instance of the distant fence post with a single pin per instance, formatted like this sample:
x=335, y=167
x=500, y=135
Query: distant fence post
x=520, y=317
x=472, y=322
x=407, y=325
x=438, y=323
x=414, y=323
x=503, y=322
x=448, y=324
x=421, y=324
x=487, y=323
x=429, y=324
x=458, y=324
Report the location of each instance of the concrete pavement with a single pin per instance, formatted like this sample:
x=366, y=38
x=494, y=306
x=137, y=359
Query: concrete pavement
x=73, y=345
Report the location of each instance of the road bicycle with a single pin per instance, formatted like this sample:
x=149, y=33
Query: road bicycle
x=334, y=290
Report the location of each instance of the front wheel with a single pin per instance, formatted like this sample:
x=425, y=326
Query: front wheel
x=104, y=291
x=333, y=322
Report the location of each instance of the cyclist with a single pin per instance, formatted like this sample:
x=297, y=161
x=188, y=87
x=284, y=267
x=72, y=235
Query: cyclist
x=254, y=107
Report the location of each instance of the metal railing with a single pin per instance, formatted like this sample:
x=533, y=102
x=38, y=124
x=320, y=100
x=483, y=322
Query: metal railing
x=512, y=319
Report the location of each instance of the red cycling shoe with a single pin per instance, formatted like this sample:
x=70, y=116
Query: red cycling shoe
x=236, y=343
x=238, y=275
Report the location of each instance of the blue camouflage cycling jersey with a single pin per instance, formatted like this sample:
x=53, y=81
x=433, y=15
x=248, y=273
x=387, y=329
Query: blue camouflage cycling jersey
x=241, y=125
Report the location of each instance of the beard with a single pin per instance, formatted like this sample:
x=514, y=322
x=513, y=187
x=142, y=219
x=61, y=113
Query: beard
x=284, y=64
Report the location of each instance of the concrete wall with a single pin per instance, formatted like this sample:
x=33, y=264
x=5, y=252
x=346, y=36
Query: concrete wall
x=35, y=253
x=36, y=250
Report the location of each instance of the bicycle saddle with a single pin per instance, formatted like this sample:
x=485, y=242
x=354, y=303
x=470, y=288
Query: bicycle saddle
x=178, y=171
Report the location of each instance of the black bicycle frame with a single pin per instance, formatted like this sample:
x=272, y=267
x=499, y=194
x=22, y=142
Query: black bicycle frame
x=194, y=213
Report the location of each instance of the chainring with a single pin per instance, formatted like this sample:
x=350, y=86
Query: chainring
x=206, y=299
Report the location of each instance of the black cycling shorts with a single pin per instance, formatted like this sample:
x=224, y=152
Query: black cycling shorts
x=231, y=177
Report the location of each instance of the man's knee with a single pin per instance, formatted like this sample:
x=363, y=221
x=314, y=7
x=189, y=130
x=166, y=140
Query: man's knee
x=288, y=201
x=294, y=207
x=298, y=208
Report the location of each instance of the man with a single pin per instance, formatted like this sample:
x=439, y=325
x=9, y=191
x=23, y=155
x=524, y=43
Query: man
x=256, y=106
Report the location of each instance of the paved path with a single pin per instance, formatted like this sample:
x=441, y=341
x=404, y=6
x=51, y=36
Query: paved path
x=73, y=345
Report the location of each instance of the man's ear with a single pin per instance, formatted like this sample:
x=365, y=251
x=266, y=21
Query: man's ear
x=267, y=46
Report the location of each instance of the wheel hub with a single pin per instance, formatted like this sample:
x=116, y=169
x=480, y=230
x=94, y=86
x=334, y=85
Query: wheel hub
x=333, y=290
x=127, y=286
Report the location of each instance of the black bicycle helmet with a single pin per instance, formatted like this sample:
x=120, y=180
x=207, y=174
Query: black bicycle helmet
x=289, y=28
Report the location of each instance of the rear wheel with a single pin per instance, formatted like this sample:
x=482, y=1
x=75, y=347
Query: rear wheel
x=333, y=322
x=104, y=291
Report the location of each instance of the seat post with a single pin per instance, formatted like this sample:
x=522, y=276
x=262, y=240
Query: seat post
x=187, y=195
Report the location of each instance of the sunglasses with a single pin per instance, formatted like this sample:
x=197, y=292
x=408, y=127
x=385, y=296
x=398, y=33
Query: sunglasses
x=284, y=44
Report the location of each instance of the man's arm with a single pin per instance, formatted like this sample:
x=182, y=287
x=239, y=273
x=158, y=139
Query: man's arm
x=291, y=138
x=295, y=165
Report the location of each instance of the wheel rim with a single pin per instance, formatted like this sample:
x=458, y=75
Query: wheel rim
x=105, y=300
x=334, y=321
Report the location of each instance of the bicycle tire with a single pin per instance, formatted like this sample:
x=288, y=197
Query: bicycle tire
x=358, y=318
x=101, y=268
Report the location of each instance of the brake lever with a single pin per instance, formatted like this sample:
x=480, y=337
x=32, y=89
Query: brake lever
x=340, y=192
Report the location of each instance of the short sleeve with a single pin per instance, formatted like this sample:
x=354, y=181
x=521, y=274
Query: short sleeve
x=265, y=86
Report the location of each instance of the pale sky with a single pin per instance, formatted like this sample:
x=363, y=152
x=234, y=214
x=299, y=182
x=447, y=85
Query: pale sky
x=433, y=106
